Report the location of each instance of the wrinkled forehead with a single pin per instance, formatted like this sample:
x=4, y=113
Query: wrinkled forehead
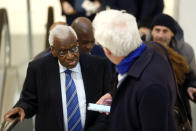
x=66, y=42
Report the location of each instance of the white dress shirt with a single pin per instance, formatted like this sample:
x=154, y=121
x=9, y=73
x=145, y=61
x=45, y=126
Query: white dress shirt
x=121, y=79
x=77, y=78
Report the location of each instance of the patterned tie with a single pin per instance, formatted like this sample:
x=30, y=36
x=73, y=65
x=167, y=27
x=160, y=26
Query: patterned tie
x=73, y=110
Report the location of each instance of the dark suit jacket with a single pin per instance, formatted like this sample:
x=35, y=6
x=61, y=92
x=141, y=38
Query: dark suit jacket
x=141, y=9
x=41, y=94
x=144, y=101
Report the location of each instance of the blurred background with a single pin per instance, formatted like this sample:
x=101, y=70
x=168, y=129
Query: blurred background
x=28, y=20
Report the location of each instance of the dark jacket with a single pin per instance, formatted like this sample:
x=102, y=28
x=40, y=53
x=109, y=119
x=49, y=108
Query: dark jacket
x=41, y=94
x=145, y=99
x=141, y=9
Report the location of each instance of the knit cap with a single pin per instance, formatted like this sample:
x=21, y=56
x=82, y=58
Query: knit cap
x=165, y=20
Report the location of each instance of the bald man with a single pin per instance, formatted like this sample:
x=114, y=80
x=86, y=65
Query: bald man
x=84, y=30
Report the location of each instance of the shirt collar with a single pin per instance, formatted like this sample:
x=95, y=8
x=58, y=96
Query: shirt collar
x=62, y=68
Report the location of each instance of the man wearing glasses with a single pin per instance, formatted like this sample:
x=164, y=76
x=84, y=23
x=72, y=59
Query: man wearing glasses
x=58, y=87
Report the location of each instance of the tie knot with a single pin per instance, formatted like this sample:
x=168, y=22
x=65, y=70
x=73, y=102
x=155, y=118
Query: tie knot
x=68, y=72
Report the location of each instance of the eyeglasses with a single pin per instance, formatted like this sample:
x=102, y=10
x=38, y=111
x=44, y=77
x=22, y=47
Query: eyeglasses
x=62, y=53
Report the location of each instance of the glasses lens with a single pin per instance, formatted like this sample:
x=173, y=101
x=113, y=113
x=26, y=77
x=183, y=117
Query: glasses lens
x=74, y=49
x=62, y=52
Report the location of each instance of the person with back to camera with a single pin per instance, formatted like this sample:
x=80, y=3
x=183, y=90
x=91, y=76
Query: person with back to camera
x=145, y=95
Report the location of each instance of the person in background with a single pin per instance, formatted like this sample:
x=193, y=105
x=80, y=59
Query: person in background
x=141, y=9
x=144, y=27
x=166, y=31
x=84, y=30
x=59, y=86
x=77, y=8
x=173, y=37
x=142, y=101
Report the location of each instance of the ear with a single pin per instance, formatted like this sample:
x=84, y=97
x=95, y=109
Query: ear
x=172, y=34
x=53, y=51
x=107, y=51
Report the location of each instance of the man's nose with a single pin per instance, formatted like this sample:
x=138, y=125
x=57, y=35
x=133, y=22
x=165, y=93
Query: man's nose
x=70, y=54
x=90, y=45
x=160, y=34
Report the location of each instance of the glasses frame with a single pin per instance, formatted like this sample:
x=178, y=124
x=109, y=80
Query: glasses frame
x=62, y=53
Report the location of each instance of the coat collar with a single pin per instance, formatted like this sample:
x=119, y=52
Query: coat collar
x=83, y=60
x=84, y=64
x=53, y=75
x=141, y=63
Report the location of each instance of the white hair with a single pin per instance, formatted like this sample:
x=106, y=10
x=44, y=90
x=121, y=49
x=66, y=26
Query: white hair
x=116, y=31
x=60, y=32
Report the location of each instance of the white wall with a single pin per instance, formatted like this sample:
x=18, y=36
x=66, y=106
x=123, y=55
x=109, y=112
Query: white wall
x=187, y=20
x=17, y=11
x=183, y=12
x=18, y=22
x=169, y=7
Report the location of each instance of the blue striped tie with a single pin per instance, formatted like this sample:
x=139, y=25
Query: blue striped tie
x=73, y=110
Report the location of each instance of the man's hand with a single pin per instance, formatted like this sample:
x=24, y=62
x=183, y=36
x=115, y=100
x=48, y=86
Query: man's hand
x=105, y=100
x=191, y=91
x=14, y=111
x=67, y=8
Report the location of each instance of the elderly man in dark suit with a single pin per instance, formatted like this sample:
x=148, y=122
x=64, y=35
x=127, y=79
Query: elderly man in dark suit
x=146, y=91
x=59, y=86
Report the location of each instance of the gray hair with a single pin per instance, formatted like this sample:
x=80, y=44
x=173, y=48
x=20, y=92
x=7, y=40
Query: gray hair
x=116, y=31
x=60, y=32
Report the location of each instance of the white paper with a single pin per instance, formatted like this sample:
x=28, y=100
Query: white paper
x=97, y=107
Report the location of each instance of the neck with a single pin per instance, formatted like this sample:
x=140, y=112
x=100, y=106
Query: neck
x=118, y=59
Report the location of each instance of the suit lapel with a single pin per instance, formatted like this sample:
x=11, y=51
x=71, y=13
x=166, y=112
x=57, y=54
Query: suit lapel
x=54, y=88
x=141, y=63
x=89, y=84
x=85, y=70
